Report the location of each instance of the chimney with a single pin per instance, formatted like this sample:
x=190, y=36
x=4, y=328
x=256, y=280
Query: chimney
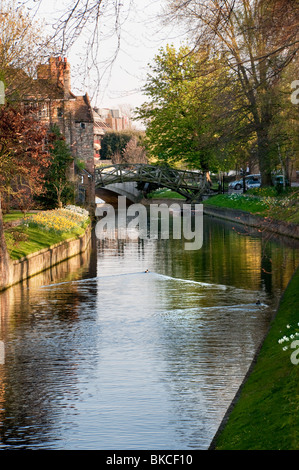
x=57, y=71
x=66, y=77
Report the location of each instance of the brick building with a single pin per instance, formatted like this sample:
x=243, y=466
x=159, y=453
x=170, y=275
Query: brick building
x=55, y=103
x=113, y=118
x=106, y=120
x=100, y=128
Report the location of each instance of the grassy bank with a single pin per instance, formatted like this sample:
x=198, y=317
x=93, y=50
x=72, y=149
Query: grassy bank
x=15, y=215
x=266, y=203
x=266, y=416
x=164, y=193
x=42, y=230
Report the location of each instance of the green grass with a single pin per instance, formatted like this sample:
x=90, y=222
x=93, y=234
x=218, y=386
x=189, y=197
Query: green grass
x=164, y=194
x=282, y=207
x=11, y=217
x=266, y=415
x=237, y=201
x=37, y=239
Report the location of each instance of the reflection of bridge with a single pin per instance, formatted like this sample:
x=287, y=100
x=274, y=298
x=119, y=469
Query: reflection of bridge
x=189, y=184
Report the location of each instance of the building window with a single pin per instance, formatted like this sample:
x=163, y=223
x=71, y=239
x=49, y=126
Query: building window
x=60, y=112
x=43, y=110
x=31, y=107
x=82, y=125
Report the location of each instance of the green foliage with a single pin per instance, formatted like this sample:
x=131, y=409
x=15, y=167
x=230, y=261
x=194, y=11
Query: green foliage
x=184, y=117
x=115, y=142
x=9, y=240
x=38, y=239
x=164, y=194
x=14, y=237
x=13, y=216
x=81, y=165
x=58, y=187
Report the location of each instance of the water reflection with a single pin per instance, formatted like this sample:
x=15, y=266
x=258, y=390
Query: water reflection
x=39, y=369
x=100, y=355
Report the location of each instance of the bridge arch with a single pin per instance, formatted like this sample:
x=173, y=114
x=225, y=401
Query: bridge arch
x=110, y=193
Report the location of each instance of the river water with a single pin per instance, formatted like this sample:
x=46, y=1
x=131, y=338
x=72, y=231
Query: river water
x=101, y=355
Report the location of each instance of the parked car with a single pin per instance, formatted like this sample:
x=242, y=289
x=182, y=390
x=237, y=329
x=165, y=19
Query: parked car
x=238, y=184
x=278, y=179
x=253, y=182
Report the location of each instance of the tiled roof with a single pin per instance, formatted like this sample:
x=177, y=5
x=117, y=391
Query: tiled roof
x=82, y=109
x=47, y=89
x=101, y=125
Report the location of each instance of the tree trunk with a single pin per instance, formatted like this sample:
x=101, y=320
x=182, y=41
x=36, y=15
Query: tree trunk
x=4, y=258
x=264, y=156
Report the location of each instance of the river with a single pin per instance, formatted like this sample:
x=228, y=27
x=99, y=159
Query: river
x=101, y=355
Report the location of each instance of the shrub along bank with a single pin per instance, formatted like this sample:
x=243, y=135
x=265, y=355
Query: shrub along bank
x=265, y=416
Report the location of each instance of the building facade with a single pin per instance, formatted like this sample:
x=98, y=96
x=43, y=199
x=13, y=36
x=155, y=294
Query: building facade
x=54, y=103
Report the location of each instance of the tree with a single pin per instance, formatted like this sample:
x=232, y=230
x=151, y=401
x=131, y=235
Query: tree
x=114, y=143
x=23, y=154
x=95, y=20
x=284, y=132
x=24, y=157
x=257, y=44
x=133, y=152
x=22, y=48
x=58, y=189
x=4, y=258
x=185, y=120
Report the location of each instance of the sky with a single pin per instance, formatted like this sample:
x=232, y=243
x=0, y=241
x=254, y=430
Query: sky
x=141, y=37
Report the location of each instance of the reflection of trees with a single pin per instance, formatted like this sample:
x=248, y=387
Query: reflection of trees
x=210, y=350
x=280, y=259
x=50, y=333
x=240, y=257
x=41, y=362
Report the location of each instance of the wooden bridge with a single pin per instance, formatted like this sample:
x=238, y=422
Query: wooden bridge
x=189, y=184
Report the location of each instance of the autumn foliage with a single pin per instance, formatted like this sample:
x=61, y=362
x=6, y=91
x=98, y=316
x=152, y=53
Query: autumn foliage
x=24, y=157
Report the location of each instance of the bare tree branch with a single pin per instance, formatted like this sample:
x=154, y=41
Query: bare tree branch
x=91, y=21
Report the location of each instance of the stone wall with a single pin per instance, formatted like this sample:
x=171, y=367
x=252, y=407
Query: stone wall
x=35, y=263
x=245, y=218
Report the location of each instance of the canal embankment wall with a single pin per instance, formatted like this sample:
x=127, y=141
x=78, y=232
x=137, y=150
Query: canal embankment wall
x=35, y=263
x=251, y=220
x=238, y=216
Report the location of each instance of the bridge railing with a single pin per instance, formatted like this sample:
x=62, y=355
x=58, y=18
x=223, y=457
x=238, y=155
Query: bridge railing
x=188, y=183
x=141, y=172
